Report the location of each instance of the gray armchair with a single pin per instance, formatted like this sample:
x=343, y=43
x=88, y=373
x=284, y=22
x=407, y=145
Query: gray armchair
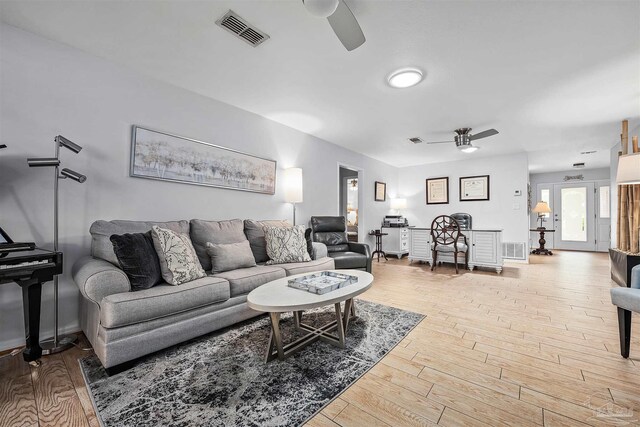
x=332, y=231
x=627, y=300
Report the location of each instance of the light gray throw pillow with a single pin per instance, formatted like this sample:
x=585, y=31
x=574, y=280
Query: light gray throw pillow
x=286, y=245
x=203, y=232
x=230, y=256
x=255, y=233
x=178, y=260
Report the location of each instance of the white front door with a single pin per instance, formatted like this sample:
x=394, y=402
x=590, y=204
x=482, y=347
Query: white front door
x=574, y=216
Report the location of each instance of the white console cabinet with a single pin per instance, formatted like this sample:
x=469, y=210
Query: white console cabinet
x=485, y=248
x=396, y=242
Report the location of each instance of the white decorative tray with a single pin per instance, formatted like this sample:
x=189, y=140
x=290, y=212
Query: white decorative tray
x=321, y=283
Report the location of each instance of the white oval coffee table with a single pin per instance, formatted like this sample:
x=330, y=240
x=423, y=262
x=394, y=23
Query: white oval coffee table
x=277, y=297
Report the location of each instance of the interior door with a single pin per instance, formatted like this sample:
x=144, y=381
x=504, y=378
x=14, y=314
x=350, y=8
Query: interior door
x=574, y=216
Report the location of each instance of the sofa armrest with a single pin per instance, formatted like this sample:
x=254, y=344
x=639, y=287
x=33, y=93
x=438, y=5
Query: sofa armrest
x=97, y=279
x=319, y=250
x=362, y=248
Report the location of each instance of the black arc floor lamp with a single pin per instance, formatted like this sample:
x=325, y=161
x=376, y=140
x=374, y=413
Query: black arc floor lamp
x=58, y=342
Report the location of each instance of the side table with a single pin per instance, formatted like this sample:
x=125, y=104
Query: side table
x=541, y=250
x=378, y=235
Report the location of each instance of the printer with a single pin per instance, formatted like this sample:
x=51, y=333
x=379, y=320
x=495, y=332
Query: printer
x=394, y=221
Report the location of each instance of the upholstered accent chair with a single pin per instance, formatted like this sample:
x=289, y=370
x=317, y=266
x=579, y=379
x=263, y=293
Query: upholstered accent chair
x=627, y=300
x=446, y=238
x=332, y=231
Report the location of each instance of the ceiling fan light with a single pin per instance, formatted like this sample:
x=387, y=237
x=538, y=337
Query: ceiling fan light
x=405, y=77
x=469, y=149
x=321, y=8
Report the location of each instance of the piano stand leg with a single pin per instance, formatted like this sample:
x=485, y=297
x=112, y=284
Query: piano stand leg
x=31, y=294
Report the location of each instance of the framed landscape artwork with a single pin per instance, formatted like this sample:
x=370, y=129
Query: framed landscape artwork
x=437, y=191
x=166, y=157
x=473, y=188
x=380, y=192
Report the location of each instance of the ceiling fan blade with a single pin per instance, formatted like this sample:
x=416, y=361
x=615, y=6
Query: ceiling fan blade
x=483, y=134
x=346, y=27
x=438, y=142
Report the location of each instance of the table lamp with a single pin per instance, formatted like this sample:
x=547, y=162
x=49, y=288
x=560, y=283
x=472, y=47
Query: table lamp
x=541, y=209
x=628, y=169
x=293, y=188
x=398, y=204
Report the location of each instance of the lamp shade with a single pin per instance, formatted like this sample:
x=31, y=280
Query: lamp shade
x=293, y=185
x=628, y=169
x=398, y=203
x=541, y=207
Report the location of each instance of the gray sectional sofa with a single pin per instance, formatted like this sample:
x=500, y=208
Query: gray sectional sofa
x=123, y=325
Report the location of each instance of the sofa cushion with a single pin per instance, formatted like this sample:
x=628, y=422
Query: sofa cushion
x=203, y=232
x=254, y=230
x=325, y=263
x=244, y=280
x=138, y=259
x=349, y=259
x=101, y=231
x=230, y=256
x=162, y=300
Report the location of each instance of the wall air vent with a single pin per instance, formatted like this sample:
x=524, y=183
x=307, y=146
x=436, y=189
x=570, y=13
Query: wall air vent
x=514, y=250
x=588, y=152
x=415, y=140
x=578, y=165
x=233, y=23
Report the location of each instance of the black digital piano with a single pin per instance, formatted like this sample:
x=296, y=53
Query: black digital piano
x=30, y=268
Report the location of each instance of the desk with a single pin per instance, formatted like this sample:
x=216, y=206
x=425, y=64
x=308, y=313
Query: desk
x=541, y=249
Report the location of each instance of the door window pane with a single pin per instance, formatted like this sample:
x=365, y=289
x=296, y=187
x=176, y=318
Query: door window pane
x=605, y=205
x=574, y=214
x=544, y=197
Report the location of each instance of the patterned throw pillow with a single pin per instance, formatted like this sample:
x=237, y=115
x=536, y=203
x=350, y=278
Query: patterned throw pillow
x=178, y=260
x=286, y=244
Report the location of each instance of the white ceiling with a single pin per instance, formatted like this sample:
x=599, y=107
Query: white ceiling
x=555, y=78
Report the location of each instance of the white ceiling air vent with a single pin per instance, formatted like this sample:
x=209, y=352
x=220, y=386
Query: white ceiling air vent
x=233, y=23
x=415, y=140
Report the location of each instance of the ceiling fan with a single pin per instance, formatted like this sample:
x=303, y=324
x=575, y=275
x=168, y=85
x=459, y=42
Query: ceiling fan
x=340, y=18
x=463, y=139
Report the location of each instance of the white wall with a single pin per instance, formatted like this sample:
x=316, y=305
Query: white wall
x=507, y=174
x=49, y=89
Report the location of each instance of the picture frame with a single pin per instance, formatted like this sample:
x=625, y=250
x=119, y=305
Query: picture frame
x=167, y=157
x=380, y=192
x=437, y=190
x=475, y=188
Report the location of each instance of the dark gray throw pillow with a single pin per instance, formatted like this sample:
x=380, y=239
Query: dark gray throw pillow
x=138, y=259
x=307, y=237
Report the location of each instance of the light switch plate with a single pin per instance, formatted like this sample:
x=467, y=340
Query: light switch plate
x=517, y=193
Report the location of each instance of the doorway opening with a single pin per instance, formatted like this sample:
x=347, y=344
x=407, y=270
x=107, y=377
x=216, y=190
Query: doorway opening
x=349, y=200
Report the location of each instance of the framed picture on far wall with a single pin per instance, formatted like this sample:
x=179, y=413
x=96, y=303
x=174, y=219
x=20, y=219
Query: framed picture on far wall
x=380, y=192
x=437, y=191
x=474, y=188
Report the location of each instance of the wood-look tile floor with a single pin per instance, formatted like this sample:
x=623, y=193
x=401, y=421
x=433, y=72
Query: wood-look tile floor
x=536, y=345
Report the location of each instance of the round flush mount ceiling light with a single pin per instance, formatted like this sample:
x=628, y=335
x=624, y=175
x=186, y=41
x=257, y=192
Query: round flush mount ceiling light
x=469, y=149
x=321, y=8
x=405, y=77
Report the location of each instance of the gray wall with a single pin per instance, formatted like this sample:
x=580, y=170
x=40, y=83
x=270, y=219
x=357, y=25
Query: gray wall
x=48, y=89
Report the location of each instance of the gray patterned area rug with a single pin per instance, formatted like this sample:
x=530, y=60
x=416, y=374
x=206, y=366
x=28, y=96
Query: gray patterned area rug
x=221, y=379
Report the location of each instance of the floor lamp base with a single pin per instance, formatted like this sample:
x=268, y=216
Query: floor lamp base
x=64, y=342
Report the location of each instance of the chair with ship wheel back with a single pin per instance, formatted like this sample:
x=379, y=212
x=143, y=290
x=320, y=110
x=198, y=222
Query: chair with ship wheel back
x=447, y=238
